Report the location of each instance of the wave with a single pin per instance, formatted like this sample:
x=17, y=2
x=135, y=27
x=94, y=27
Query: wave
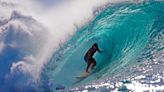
x=122, y=31
x=30, y=33
x=38, y=43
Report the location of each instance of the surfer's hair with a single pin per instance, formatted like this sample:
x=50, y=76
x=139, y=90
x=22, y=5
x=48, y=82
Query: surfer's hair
x=95, y=44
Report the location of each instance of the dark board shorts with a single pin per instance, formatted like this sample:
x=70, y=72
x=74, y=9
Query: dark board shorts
x=89, y=60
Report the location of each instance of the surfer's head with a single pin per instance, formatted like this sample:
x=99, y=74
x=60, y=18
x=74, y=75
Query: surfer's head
x=95, y=45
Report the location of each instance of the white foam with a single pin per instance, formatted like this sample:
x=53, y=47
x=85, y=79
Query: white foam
x=61, y=21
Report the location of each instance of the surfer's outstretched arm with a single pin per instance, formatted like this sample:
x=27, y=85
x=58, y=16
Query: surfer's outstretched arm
x=98, y=49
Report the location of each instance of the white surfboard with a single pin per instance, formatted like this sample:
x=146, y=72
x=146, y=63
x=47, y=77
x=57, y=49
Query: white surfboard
x=84, y=75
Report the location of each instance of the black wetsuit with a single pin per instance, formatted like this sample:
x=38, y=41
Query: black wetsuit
x=89, y=56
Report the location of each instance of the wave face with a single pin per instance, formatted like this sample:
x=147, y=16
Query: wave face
x=125, y=34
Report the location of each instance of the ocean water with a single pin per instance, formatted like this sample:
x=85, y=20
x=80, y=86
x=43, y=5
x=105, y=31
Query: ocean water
x=43, y=43
x=131, y=37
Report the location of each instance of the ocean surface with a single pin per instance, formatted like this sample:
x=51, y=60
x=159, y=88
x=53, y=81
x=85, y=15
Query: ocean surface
x=129, y=34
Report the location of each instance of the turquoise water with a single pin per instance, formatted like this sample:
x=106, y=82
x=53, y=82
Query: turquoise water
x=123, y=32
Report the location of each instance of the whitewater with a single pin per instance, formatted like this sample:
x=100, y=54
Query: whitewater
x=43, y=43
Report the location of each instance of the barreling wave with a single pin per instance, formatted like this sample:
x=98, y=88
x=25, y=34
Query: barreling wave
x=123, y=33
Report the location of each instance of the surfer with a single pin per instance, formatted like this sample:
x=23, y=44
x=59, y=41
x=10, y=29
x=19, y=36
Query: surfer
x=89, y=56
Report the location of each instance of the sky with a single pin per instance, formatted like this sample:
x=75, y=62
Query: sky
x=49, y=2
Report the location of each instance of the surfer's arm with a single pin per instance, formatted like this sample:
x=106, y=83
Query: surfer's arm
x=98, y=50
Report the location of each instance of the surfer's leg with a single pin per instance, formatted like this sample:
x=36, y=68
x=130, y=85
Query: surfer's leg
x=88, y=61
x=88, y=67
x=93, y=63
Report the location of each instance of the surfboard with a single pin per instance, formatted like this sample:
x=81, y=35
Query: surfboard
x=84, y=75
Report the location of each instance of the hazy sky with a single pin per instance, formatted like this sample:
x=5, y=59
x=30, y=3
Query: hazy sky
x=49, y=2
